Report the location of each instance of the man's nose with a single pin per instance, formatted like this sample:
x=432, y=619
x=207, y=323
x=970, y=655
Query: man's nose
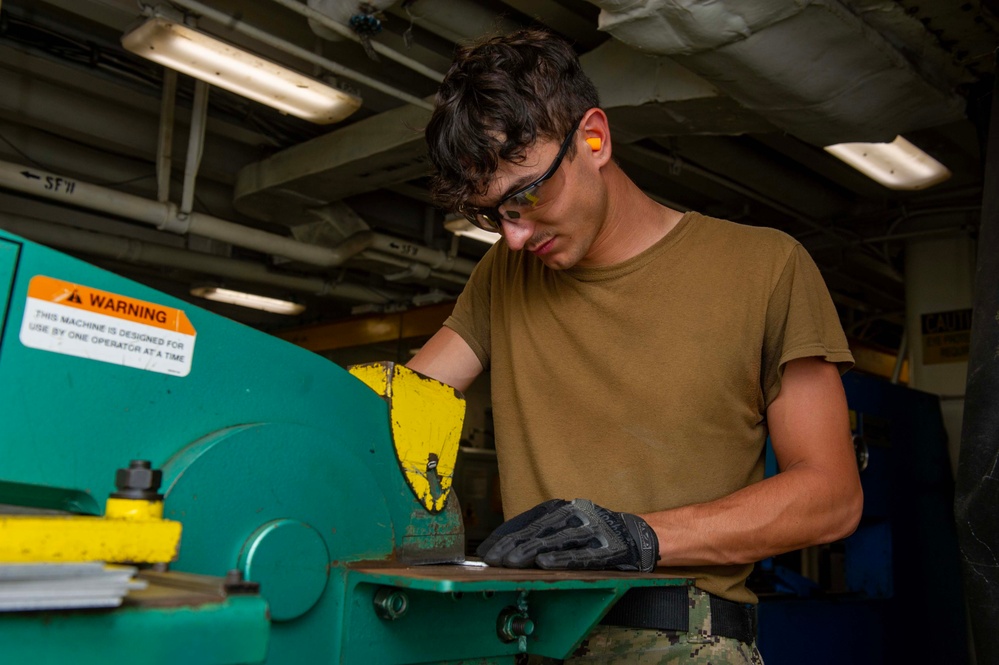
x=517, y=232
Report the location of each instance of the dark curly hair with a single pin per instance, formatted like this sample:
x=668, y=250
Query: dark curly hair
x=498, y=98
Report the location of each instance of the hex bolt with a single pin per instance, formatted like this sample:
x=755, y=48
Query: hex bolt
x=138, y=481
x=390, y=604
x=235, y=585
x=513, y=624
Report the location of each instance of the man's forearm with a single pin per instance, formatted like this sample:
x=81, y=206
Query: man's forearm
x=799, y=507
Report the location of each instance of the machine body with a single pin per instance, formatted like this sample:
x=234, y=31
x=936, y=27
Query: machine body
x=329, y=490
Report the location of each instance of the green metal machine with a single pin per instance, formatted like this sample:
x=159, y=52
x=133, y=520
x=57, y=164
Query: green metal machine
x=318, y=522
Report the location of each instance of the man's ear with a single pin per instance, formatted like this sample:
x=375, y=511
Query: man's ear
x=596, y=133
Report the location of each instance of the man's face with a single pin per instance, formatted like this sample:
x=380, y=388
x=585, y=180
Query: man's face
x=557, y=219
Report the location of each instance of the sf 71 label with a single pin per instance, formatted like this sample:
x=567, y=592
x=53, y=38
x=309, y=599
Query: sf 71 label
x=54, y=184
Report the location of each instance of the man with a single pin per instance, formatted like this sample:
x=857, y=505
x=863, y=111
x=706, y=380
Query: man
x=639, y=359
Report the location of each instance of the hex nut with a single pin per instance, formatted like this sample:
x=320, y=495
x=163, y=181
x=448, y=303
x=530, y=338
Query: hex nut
x=138, y=481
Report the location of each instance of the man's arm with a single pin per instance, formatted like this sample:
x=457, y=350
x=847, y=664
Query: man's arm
x=447, y=358
x=815, y=499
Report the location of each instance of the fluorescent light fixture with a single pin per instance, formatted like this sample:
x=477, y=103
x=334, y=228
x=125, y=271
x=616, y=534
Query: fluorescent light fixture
x=460, y=226
x=247, y=300
x=202, y=56
x=896, y=165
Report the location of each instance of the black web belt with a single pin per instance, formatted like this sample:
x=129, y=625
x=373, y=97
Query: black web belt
x=668, y=608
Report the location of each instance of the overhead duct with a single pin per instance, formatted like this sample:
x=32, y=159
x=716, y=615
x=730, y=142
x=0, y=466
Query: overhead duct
x=895, y=23
x=661, y=98
x=811, y=68
x=369, y=154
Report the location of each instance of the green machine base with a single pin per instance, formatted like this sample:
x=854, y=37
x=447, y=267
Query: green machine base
x=178, y=618
x=278, y=464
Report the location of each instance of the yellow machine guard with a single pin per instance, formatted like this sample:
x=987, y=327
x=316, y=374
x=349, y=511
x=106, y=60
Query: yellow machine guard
x=426, y=417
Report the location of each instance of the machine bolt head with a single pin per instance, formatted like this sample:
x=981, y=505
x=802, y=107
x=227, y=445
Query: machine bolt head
x=138, y=481
x=513, y=624
x=390, y=603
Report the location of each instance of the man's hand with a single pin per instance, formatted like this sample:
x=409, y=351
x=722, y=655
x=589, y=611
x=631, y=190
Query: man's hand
x=572, y=534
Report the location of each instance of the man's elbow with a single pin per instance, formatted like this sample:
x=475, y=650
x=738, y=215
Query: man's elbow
x=846, y=513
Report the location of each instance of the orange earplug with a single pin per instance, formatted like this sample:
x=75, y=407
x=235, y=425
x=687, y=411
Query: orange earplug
x=594, y=143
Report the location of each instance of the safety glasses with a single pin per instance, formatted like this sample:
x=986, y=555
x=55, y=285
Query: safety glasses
x=514, y=205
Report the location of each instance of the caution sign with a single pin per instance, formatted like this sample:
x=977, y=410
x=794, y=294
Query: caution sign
x=946, y=336
x=76, y=320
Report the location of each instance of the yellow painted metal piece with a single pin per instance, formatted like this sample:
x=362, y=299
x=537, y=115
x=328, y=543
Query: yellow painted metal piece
x=133, y=509
x=425, y=417
x=132, y=531
x=375, y=376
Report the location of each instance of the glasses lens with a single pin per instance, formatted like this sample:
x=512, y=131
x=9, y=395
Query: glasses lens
x=525, y=200
x=484, y=219
x=490, y=220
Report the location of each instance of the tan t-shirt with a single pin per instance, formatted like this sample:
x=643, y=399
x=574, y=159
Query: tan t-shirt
x=644, y=386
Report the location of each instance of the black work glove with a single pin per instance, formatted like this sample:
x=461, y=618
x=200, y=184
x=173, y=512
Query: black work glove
x=572, y=534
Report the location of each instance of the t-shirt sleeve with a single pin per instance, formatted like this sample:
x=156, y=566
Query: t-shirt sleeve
x=471, y=315
x=801, y=322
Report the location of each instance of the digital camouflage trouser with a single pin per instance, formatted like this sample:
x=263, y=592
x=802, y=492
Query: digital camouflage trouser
x=615, y=645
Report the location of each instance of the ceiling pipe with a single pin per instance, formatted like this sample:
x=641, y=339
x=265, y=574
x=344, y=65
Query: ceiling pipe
x=344, y=31
x=344, y=12
x=406, y=265
x=457, y=20
x=164, y=145
x=165, y=217
x=109, y=118
x=234, y=23
x=195, y=145
x=435, y=258
x=76, y=160
x=38, y=182
x=144, y=253
x=338, y=223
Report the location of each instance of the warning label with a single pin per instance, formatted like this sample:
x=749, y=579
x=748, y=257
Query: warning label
x=946, y=336
x=75, y=320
